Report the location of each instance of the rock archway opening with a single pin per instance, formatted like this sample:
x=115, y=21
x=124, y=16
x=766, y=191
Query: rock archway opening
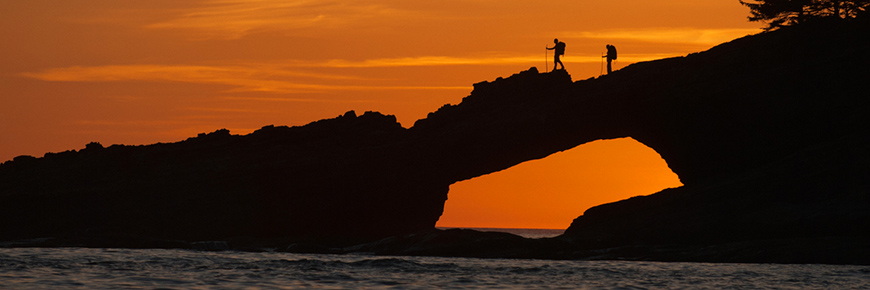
x=549, y=193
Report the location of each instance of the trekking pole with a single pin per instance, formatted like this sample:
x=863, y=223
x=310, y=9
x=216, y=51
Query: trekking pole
x=601, y=71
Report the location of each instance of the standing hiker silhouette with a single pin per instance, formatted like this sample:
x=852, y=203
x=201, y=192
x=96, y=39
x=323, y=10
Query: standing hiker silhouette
x=559, y=51
x=611, y=55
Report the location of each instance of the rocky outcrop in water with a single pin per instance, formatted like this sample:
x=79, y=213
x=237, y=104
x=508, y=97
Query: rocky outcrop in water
x=768, y=133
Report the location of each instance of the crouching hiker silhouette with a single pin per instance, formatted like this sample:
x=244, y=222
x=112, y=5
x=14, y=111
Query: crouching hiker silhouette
x=611, y=55
x=559, y=51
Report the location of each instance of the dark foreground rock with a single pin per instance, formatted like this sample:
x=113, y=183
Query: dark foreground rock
x=769, y=134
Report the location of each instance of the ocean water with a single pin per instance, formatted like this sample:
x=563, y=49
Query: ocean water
x=84, y=268
x=527, y=233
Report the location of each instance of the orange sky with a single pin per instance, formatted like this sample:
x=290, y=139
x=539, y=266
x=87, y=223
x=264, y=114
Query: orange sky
x=141, y=72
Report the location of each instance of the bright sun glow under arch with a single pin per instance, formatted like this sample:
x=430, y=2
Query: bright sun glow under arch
x=529, y=195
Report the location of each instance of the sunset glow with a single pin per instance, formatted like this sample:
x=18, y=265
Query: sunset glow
x=141, y=72
x=551, y=192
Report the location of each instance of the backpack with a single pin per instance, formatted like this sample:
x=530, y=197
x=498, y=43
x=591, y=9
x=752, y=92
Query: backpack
x=611, y=51
x=560, y=48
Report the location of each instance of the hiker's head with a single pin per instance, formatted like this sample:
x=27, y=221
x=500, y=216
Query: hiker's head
x=556, y=40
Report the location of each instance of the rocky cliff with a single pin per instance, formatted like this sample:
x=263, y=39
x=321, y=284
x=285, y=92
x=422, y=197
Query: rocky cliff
x=767, y=132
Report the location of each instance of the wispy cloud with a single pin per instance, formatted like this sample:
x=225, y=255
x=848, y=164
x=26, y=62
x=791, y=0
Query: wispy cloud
x=244, y=78
x=230, y=19
x=276, y=79
x=697, y=36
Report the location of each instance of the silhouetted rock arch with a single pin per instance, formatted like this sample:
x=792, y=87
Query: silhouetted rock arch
x=766, y=145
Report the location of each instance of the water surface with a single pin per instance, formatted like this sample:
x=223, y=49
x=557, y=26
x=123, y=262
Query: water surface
x=83, y=268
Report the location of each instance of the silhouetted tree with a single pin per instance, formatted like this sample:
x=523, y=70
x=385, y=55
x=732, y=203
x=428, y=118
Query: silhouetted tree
x=780, y=13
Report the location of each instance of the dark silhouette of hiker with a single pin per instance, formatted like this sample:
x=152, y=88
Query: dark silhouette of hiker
x=611, y=55
x=560, y=50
